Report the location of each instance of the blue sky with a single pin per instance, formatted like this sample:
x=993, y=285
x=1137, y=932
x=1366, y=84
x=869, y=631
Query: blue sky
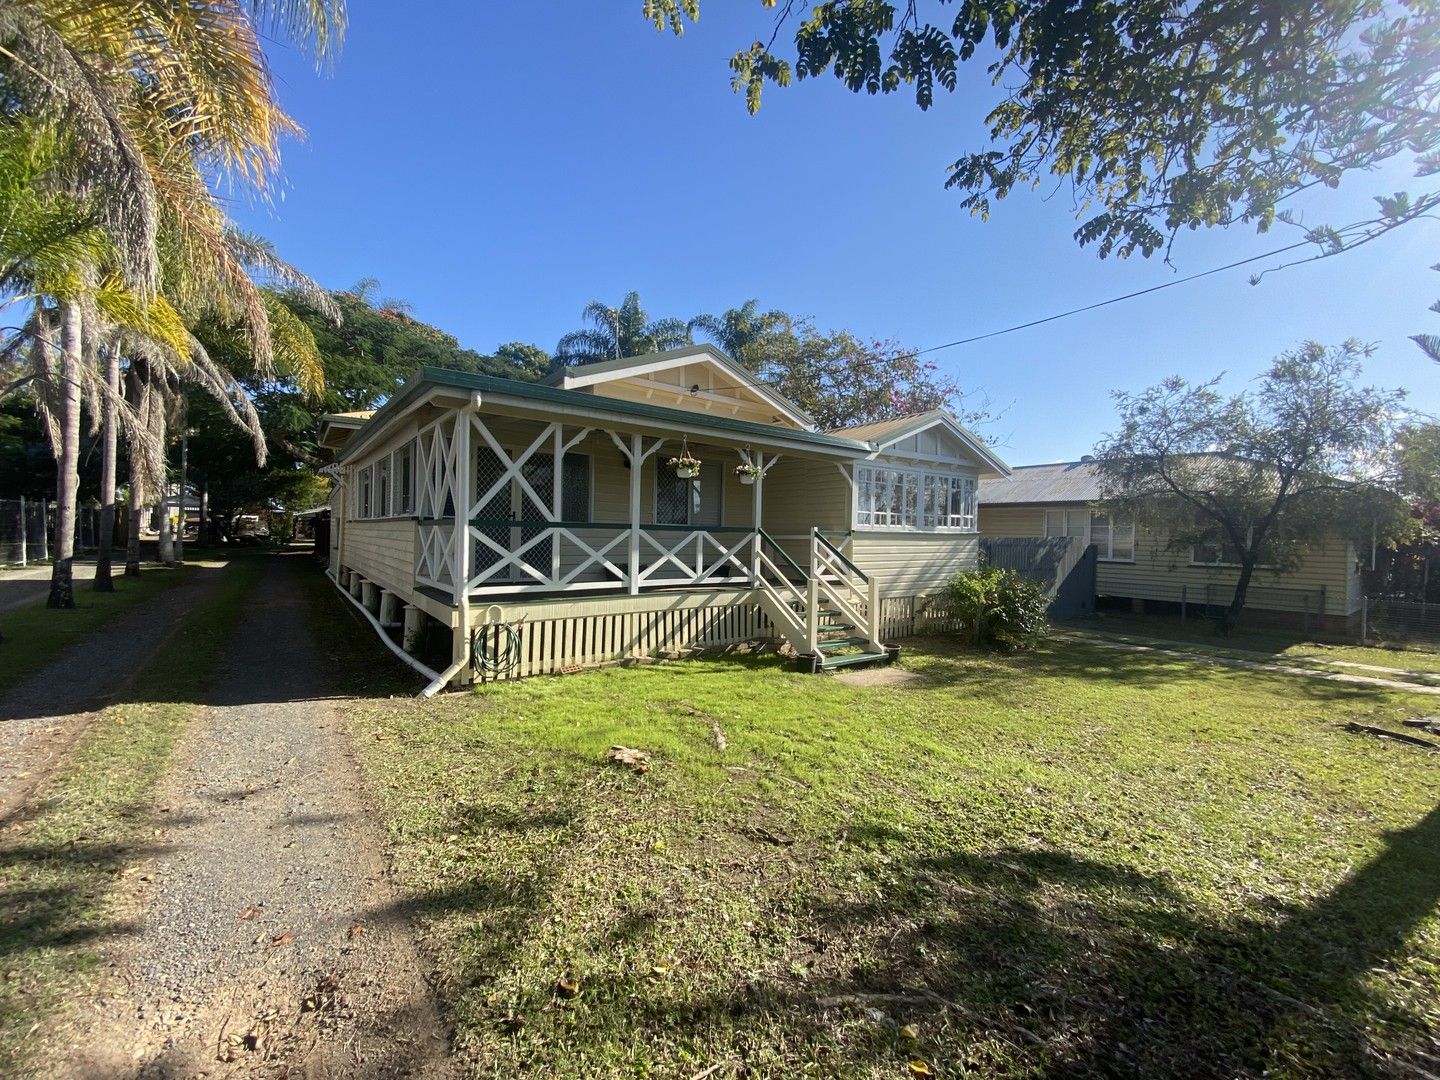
x=500, y=165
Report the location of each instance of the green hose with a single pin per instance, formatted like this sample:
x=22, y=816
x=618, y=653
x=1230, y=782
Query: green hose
x=494, y=650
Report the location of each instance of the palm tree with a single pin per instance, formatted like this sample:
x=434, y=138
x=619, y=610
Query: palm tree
x=618, y=332
x=742, y=333
x=157, y=96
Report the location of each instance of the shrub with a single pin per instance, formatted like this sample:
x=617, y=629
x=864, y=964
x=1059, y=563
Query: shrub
x=997, y=609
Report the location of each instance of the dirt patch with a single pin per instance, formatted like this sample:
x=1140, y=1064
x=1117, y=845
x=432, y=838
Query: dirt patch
x=877, y=676
x=252, y=954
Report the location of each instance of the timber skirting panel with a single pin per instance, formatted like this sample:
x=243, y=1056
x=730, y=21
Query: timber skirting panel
x=547, y=646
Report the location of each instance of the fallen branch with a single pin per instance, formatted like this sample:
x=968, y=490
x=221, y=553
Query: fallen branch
x=1386, y=733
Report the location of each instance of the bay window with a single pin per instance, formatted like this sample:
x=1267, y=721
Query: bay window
x=893, y=498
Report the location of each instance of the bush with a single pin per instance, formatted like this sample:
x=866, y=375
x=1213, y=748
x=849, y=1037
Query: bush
x=997, y=609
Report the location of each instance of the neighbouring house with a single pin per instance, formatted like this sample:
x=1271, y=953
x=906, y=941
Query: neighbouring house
x=542, y=526
x=1137, y=565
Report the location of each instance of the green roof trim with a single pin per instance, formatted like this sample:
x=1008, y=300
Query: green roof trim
x=444, y=378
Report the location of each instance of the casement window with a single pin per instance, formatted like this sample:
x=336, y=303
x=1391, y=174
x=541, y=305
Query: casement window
x=891, y=498
x=1112, y=534
x=1221, y=552
x=386, y=487
x=363, y=490
x=382, y=488
x=404, y=479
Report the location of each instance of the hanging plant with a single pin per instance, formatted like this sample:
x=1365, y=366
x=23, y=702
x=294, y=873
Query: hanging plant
x=685, y=466
x=748, y=474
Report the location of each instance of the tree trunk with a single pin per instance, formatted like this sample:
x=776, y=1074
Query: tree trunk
x=103, y=580
x=67, y=458
x=184, y=478
x=1231, y=618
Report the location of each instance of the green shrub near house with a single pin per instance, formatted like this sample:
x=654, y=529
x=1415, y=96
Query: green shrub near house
x=995, y=609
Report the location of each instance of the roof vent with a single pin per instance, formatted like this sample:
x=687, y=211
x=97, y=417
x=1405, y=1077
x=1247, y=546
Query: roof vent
x=1086, y=459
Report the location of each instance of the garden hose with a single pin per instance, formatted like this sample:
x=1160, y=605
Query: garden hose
x=494, y=650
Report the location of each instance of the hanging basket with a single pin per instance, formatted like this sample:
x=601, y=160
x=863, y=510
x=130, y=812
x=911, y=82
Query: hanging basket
x=685, y=466
x=747, y=478
x=748, y=474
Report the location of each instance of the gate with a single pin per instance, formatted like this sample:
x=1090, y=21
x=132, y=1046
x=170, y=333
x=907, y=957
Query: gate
x=1064, y=566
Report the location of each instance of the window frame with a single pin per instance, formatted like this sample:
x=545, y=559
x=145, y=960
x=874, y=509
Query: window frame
x=1088, y=534
x=914, y=510
x=1220, y=547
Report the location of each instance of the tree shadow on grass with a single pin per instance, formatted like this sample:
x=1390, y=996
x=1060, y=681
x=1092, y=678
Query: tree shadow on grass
x=1018, y=961
x=946, y=662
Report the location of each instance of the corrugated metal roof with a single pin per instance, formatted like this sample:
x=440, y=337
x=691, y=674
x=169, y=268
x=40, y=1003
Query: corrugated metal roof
x=1063, y=482
x=881, y=429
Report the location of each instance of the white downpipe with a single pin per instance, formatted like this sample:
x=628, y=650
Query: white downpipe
x=401, y=653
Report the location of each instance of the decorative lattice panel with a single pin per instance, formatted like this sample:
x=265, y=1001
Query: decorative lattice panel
x=488, y=469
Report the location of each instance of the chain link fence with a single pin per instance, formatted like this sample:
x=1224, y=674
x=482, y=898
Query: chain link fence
x=1399, y=622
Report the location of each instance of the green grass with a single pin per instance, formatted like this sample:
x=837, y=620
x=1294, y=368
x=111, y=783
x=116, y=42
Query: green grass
x=1290, y=646
x=35, y=635
x=1075, y=862
x=64, y=856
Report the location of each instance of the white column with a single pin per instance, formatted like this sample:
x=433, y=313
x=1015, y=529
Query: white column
x=462, y=486
x=637, y=464
x=22, y=530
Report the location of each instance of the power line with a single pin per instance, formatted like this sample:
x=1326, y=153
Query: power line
x=1112, y=300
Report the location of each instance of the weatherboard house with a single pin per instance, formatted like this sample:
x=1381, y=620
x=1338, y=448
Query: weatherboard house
x=1137, y=564
x=641, y=506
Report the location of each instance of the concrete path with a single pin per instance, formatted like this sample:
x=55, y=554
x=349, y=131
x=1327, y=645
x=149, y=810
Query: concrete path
x=252, y=954
x=1258, y=665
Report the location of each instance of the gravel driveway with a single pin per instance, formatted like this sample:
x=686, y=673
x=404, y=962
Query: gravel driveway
x=41, y=717
x=251, y=954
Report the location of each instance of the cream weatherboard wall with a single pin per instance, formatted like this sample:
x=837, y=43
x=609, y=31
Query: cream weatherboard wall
x=1158, y=572
x=907, y=562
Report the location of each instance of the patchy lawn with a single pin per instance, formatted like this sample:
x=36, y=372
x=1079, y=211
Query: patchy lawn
x=1078, y=862
x=63, y=856
x=35, y=635
x=1290, y=646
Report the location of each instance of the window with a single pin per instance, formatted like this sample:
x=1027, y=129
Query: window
x=891, y=498
x=382, y=487
x=404, y=479
x=1112, y=534
x=1221, y=552
x=362, y=492
x=949, y=502
x=688, y=502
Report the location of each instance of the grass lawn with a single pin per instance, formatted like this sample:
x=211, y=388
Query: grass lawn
x=45, y=633
x=1290, y=646
x=1078, y=862
x=62, y=857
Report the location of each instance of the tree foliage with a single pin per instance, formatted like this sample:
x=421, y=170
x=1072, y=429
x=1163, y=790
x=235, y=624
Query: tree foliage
x=616, y=332
x=1263, y=473
x=1161, y=115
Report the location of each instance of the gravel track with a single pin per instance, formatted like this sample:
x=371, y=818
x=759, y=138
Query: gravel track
x=253, y=954
x=41, y=717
